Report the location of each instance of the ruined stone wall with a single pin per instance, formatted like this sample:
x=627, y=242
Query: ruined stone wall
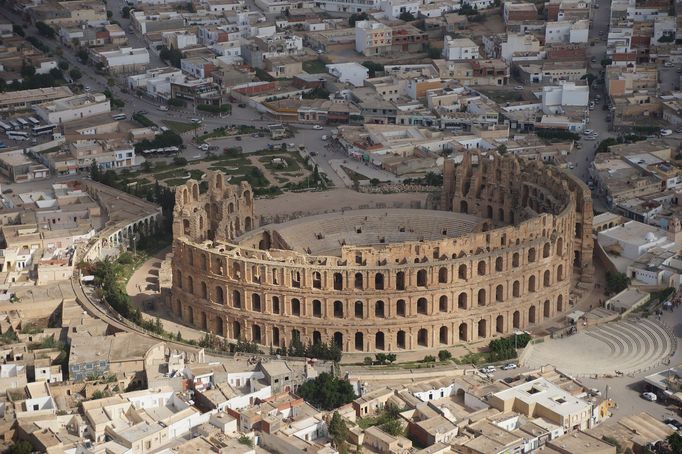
x=512, y=273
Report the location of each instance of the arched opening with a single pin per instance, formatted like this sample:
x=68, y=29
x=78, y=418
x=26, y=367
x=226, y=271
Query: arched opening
x=247, y=223
x=317, y=337
x=443, y=303
x=500, y=214
x=255, y=303
x=178, y=278
x=359, y=310
x=516, y=289
x=421, y=278
x=379, y=281
x=275, y=304
x=443, y=275
x=255, y=334
x=236, y=271
x=531, y=255
x=499, y=324
x=499, y=264
x=236, y=330
x=219, y=327
x=317, y=308
x=230, y=208
x=296, y=279
x=317, y=279
x=516, y=320
x=338, y=281
x=358, y=281
x=400, y=339
x=546, y=250
x=423, y=338
x=463, y=332
x=463, y=207
x=462, y=301
x=531, y=284
x=547, y=309
x=190, y=285
x=515, y=260
x=481, y=297
x=560, y=247
x=236, y=299
x=359, y=342
x=400, y=280
x=482, y=329
x=338, y=309
x=443, y=335
x=462, y=272
x=560, y=273
x=499, y=293
x=400, y=308
x=560, y=303
x=338, y=339
x=204, y=321
x=295, y=307
x=481, y=268
x=531, y=314
x=275, y=336
x=204, y=262
x=422, y=306
x=489, y=212
x=379, y=341
x=190, y=315
x=379, y=311
x=219, y=295
x=185, y=226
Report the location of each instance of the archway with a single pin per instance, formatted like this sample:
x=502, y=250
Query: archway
x=219, y=327
x=400, y=339
x=443, y=335
x=275, y=336
x=423, y=338
x=560, y=303
x=255, y=334
x=463, y=207
x=443, y=303
x=516, y=320
x=400, y=308
x=462, y=301
x=338, y=309
x=422, y=306
x=359, y=310
x=338, y=339
x=499, y=293
x=481, y=297
x=531, y=314
x=546, y=309
x=379, y=340
x=379, y=311
x=359, y=342
x=421, y=278
x=236, y=330
x=443, y=275
x=317, y=308
x=317, y=337
x=499, y=324
x=482, y=328
x=463, y=332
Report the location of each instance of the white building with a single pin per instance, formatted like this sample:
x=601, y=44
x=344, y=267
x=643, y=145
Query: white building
x=567, y=32
x=518, y=44
x=156, y=82
x=394, y=8
x=125, y=59
x=460, y=49
x=664, y=27
x=73, y=108
x=353, y=73
x=348, y=6
x=634, y=239
x=479, y=4
x=565, y=94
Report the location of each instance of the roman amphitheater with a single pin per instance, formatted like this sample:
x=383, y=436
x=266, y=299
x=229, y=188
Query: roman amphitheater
x=499, y=255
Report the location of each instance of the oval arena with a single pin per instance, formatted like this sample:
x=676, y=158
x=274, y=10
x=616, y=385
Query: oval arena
x=499, y=255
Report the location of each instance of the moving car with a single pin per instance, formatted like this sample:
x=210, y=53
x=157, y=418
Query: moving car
x=163, y=108
x=317, y=127
x=666, y=132
x=518, y=87
x=651, y=397
x=668, y=64
x=588, y=132
x=196, y=120
x=509, y=366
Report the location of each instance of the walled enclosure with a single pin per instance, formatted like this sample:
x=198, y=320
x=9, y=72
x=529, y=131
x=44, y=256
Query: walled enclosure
x=416, y=279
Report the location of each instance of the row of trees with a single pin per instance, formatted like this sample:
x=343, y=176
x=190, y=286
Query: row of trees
x=327, y=392
x=505, y=348
x=320, y=350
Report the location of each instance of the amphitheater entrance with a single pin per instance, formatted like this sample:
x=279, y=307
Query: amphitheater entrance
x=463, y=207
x=463, y=332
x=499, y=324
x=400, y=339
x=338, y=339
x=531, y=314
x=423, y=338
x=359, y=342
x=547, y=309
x=482, y=328
x=256, y=334
x=379, y=341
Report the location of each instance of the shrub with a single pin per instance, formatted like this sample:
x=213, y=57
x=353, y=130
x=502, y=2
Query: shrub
x=429, y=359
x=327, y=392
x=444, y=355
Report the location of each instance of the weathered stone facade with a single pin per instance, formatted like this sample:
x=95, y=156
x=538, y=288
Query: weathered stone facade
x=511, y=269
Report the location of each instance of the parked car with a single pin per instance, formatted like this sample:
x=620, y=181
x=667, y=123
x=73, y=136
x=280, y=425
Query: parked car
x=651, y=397
x=674, y=423
x=668, y=64
x=666, y=132
x=163, y=108
x=518, y=87
x=588, y=132
x=242, y=105
x=488, y=370
x=318, y=127
x=509, y=366
x=195, y=120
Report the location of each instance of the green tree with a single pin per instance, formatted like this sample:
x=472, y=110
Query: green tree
x=21, y=447
x=63, y=65
x=616, y=282
x=381, y=358
x=18, y=29
x=606, y=62
x=327, y=392
x=444, y=355
x=75, y=74
x=45, y=30
x=125, y=12
x=338, y=431
x=95, y=172
x=407, y=16
x=605, y=144
x=82, y=55
x=391, y=357
x=589, y=77
x=393, y=427
x=675, y=442
x=28, y=70
x=110, y=14
x=373, y=67
x=56, y=73
x=357, y=17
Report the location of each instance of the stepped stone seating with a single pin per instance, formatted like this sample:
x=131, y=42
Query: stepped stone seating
x=325, y=234
x=627, y=346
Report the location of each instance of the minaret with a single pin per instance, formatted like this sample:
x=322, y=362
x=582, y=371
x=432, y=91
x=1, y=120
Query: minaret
x=675, y=230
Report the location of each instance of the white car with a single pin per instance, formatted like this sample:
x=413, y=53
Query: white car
x=318, y=127
x=666, y=132
x=651, y=397
x=509, y=366
x=196, y=120
x=588, y=132
x=668, y=64
x=163, y=108
x=518, y=87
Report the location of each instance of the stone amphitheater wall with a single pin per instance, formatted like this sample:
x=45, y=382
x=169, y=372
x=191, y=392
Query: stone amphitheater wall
x=243, y=283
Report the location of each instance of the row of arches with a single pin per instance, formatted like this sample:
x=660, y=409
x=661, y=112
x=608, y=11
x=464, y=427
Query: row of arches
x=500, y=293
x=401, y=339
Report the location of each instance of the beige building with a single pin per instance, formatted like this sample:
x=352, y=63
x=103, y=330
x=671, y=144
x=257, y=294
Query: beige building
x=373, y=38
